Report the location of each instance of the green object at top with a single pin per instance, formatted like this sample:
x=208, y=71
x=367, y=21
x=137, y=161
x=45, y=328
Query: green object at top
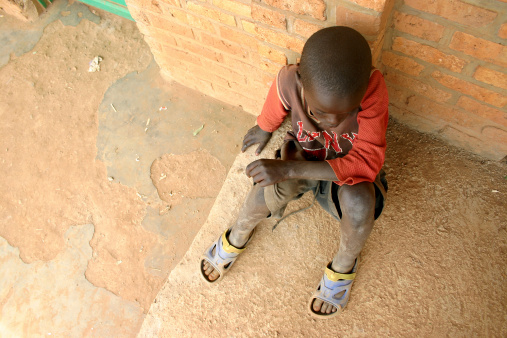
x=118, y=7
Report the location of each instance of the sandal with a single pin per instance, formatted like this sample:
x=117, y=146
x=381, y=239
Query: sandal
x=331, y=284
x=224, y=256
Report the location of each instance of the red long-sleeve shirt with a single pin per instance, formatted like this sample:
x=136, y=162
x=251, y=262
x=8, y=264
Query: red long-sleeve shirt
x=355, y=149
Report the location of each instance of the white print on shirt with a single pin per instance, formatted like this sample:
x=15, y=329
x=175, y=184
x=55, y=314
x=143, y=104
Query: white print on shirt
x=330, y=138
x=347, y=137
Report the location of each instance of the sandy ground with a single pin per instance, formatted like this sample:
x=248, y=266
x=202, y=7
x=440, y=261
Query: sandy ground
x=95, y=208
x=434, y=265
x=103, y=193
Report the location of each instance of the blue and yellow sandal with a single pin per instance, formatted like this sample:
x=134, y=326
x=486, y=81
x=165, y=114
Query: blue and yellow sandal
x=331, y=284
x=221, y=255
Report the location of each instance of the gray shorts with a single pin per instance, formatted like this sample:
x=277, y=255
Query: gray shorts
x=277, y=196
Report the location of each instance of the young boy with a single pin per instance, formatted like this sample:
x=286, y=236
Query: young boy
x=338, y=105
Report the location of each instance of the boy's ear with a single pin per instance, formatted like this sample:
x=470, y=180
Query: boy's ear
x=298, y=78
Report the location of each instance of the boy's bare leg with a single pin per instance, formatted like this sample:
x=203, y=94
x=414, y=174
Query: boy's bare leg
x=357, y=203
x=253, y=211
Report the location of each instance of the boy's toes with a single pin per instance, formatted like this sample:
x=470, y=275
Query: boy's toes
x=317, y=304
x=323, y=307
x=326, y=308
x=213, y=275
x=210, y=271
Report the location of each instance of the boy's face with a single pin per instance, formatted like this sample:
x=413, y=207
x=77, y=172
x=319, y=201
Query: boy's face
x=329, y=110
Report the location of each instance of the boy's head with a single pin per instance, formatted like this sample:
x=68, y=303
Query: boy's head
x=336, y=63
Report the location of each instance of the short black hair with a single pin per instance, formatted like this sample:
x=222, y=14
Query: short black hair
x=336, y=60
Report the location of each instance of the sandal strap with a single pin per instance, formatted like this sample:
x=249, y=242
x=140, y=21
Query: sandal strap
x=336, y=276
x=228, y=247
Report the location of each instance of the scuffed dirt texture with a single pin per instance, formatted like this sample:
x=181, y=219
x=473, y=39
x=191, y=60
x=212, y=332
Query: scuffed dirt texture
x=434, y=264
x=193, y=175
x=48, y=106
x=42, y=298
x=76, y=148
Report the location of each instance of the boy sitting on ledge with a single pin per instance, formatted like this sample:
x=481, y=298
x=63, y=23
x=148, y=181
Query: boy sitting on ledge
x=336, y=149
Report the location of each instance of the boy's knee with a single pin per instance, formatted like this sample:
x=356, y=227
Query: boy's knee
x=357, y=203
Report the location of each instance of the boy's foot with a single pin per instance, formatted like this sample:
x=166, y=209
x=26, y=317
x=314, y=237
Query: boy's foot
x=333, y=293
x=210, y=271
x=220, y=256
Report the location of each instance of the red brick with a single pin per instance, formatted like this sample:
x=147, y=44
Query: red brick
x=207, y=75
x=153, y=43
x=496, y=134
x=272, y=54
x=416, y=26
x=468, y=140
x=180, y=55
x=173, y=12
x=403, y=63
x=313, y=8
x=249, y=27
x=188, y=79
x=222, y=70
x=479, y=48
x=280, y=39
x=376, y=49
x=502, y=32
x=138, y=15
x=170, y=25
x=238, y=37
x=202, y=51
x=246, y=68
x=376, y=5
x=305, y=28
x=491, y=77
x=364, y=23
x=467, y=88
x=229, y=95
x=482, y=110
x=212, y=13
x=143, y=5
x=420, y=105
x=417, y=86
x=252, y=90
x=223, y=45
x=198, y=22
x=418, y=122
x=235, y=7
x=456, y=11
x=161, y=36
x=270, y=67
x=175, y=3
x=268, y=16
x=428, y=54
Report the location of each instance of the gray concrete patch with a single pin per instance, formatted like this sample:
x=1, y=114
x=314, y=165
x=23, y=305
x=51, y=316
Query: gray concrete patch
x=133, y=132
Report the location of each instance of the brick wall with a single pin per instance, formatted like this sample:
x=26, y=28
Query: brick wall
x=232, y=49
x=445, y=66
x=443, y=59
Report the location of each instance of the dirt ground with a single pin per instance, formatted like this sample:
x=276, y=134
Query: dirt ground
x=94, y=166
x=434, y=265
x=105, y=186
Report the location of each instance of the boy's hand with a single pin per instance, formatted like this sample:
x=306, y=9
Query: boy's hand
x=266, y=172
x=256, y=135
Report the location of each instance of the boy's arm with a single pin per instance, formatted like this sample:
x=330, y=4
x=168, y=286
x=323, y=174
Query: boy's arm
x=266, y=172
x=365, y=159
x=272, y=115
x=274, y=111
